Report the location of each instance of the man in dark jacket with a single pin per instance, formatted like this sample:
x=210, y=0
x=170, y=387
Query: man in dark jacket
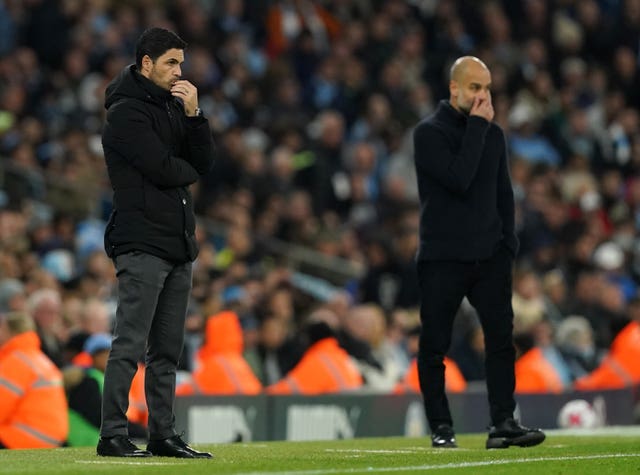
x=156, y=143
x=467, y=247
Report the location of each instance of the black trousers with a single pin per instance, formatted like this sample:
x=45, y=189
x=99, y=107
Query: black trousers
x=488, y=286
x=152, y=303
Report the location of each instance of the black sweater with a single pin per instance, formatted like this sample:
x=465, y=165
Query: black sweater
x=153, y=153
x=466, y=199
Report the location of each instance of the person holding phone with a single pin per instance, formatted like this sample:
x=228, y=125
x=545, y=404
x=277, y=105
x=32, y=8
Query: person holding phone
x=156, y=143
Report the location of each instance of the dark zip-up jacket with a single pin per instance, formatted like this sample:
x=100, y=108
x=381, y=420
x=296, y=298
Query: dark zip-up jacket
x=466, y=198
x=153, y=153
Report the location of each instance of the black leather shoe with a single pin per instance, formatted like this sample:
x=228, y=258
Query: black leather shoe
x=119, y=446
x=175, y=447
x=444, y=437
x=511, y=432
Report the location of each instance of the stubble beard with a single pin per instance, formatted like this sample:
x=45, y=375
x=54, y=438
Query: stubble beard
x=466, y=110
x=166, y=85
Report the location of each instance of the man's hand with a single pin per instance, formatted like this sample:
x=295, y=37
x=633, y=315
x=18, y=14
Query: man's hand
x=482, y=108
x=189, y=95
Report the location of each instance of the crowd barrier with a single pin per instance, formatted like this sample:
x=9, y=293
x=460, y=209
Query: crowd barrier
x=219, y=419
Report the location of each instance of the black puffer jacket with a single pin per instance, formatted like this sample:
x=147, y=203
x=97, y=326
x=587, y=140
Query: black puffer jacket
x=153, y=153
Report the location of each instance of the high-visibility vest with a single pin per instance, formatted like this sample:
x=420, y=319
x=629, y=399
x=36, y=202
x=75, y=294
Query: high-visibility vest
x=453, y=379
x=536, y=374
x=220, y=365
x=324, y=368
x=620, y=367
x=33, y=405
x=222, y=374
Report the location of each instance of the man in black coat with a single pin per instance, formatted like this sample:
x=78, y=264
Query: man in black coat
x=156, y=143
x=467, y=247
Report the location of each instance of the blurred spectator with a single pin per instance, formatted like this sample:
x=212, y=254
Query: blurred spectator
x=380, y=283
x=84, y=392
x=401, y=323
x=83, y=386
x=535, y=373
x=286, y=19
x=274, y=350
x=45, y=307
x=609, y=257
x=574, y=339
x=95, y=317
x=555, y=295
x=220, y=367
x=621, y=365
x=525, y=140
x=324, y=367
x=527, y=301
x=33, y=413
x=12, y=296
x=367, y=323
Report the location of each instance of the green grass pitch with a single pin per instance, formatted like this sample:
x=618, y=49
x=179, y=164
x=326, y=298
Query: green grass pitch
x=614, y=451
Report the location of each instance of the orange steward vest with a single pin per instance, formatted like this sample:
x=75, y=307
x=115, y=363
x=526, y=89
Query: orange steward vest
x=221, y=367
x=324, y=368
x=453, y=379
x=536, y=374
x=621, y=367
x=33, y=405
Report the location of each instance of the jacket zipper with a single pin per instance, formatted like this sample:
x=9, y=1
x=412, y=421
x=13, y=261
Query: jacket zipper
x=181, y=194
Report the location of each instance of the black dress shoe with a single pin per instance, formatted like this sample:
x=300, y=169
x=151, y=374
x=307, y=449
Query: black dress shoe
x=119, y=446
x=444, y=437
x=175, y=447
x=511, y=432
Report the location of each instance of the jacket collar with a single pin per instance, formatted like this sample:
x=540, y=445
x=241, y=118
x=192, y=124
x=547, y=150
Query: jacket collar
x=449, y=114
x=131, y=84
x=152, y=88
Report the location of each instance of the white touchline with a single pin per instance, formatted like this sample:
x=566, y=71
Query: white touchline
x=373, y=451
x=417, y=468
x=122, y=462
x=403, y=450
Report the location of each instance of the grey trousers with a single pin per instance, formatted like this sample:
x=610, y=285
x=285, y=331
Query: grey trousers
x=152, y=303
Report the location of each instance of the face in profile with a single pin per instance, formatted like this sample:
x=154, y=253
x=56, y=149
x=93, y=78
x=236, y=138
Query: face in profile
x=165, y=70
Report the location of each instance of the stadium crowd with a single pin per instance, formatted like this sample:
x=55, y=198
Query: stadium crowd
x=312, y=106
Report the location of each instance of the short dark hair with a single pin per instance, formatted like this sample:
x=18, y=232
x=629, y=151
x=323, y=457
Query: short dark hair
x=155, y=42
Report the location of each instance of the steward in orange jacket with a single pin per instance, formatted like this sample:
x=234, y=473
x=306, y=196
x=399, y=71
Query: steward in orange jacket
x=621, y=366
x=33, y=405
x=453, y=379
x=324, y=367
x=536, y=374
x=220, y=366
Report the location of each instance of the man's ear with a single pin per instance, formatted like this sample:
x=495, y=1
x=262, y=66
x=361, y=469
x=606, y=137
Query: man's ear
x=453, y=88
x=147, y=63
